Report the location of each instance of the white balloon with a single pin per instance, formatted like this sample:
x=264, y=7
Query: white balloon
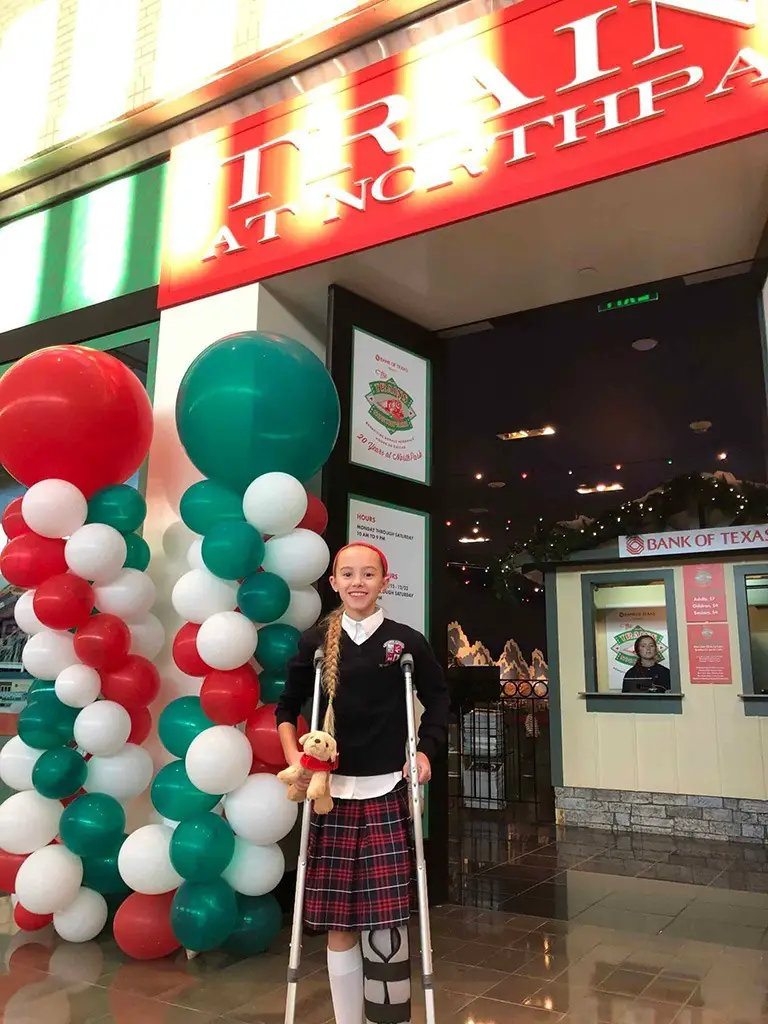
x=16, y=763
x=195, y=554
x=47, y=653
x=130, y=595
x=176, y=541
x=102, y=728
x=144, y=861
x=147, y=636
x=227, y=640
x=24, y=614
x=83, y=919
x=124, y=776
x=96, y=552
x=54, y=508
x=49, y=879
x=304, y=609
x=275, y=503
x=219, y=759
x=254, y=870
x=259, y=810
x=28, y=821
x=300, y=557
x=78, y=686
x=198, y=594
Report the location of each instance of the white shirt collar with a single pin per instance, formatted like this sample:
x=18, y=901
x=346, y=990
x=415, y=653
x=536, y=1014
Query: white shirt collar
x=360, y=631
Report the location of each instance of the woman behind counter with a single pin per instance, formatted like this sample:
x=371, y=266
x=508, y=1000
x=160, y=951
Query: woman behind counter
x=646, y=675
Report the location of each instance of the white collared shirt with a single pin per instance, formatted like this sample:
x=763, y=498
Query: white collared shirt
x=362, y=787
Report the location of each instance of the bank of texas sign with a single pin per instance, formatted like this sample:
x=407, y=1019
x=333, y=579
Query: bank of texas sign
x=544, y=97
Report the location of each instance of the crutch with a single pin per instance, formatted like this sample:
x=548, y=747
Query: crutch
x=425, y=933
x=294, y=958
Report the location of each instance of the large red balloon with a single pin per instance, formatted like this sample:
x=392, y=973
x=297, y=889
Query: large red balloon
x=185, y=651
x=141, y=725
x=261, y=730
x=228, y=698
x=29, y=559
x=142, y=926
x=135, y=684
x=9, y=868
x=29, y=922
x=260, y=768
x=316, y=518
x=103, y=642
x=13, y=520
x=75, y=414
x=63, y=602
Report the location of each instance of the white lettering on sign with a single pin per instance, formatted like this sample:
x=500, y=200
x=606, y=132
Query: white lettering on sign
x=688, y=541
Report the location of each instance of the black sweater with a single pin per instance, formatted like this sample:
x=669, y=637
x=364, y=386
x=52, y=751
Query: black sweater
x=371, y=724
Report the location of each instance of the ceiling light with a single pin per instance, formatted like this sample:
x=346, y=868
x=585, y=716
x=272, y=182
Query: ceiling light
x=599, y=488
x=722, y=456
x=473, y=540
x=523, y=476
x=478, y=476
x=518, y=435
x=700, y=426
x=644, y=344
x=478, y=512
x=497, y=484
x=617, y=466
x=448, y=522
x=475, y=529
x=587, y=271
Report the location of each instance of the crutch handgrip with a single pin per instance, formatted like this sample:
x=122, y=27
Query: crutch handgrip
x=406, y=661
x=319, y=655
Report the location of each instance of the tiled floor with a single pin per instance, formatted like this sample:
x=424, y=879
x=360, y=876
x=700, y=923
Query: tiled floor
x=579, y=928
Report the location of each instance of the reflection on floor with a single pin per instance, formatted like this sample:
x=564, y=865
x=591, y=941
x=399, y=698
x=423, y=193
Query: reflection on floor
x=579, y=927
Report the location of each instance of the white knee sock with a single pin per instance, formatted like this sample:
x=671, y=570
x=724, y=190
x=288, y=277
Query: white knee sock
x=345, y=970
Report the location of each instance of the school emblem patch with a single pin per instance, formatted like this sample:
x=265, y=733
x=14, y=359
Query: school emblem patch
x=392, y=651
x=391, y=405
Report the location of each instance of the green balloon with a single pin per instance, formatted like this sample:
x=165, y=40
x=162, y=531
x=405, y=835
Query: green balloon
x=202, y=847
x=46, y=723
x=174, y=796
x=206, y=503
x=179, y=723
x=39, y=686
x=59, y=773
x=277, y=643
x=232, y=550
x=263, y=597
x=271, y=685
x=255, y=403
x=138, y=552
x=259, y=920
x=203, y=914
x=119, y=506
x=102, y=875
x=92, y=825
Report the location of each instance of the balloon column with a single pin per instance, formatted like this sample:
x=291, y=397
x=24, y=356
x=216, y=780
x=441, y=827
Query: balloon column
x=74, y=425
x=258, y=415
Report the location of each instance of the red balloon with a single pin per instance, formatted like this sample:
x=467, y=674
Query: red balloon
x=316, y=518
x=13, y=521
x=261, y=730
x=28, y=560
x=29, y=922
x=135, y=684
x=63, y=602
x=9, y=868
x=76, y=414
x=141, y=724
x=142, y=926
x=185, y=651
x=103, y=642
x=228, y=698
x=260, y=768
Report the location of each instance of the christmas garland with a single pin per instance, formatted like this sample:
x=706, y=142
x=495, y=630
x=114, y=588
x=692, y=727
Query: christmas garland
x=692, y=501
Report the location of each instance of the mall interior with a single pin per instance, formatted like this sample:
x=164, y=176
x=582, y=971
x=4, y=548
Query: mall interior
x=586, y=340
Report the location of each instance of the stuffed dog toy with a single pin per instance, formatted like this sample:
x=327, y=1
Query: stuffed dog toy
x=317, y=762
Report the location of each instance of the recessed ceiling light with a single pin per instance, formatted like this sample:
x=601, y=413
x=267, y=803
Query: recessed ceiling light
x=722, y=456
x=599, y=488
x=497, y=484
x=478, y=511
x=478, y=476
x=474, y=540
x=700, y=426
x=519, y=435
x=644, y=344
x=475, y=529
x=617, y=466
x=587, y=271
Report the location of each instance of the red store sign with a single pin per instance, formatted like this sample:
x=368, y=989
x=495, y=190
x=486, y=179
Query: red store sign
x=543, y=97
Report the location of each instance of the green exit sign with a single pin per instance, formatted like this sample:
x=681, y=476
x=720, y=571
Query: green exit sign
x=628, y=300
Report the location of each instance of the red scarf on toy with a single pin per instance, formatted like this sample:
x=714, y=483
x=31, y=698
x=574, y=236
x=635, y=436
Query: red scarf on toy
x=314, y=764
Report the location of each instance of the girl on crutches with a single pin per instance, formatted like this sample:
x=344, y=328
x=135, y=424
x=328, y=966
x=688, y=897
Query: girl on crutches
x=360, y=862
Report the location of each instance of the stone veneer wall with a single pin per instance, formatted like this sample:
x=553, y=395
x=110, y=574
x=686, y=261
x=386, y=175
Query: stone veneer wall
x=702, y=817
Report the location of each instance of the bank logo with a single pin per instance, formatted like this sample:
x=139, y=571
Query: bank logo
x=391, y=406
x=635, y=545
x=623, y=646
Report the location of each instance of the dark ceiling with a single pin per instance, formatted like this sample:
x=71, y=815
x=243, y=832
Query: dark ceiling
x=574, y=368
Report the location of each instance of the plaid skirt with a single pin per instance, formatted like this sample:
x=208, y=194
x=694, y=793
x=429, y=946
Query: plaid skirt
x=360, y=865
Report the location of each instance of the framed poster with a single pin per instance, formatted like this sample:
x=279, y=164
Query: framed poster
x=390, y=409
x=403, y=535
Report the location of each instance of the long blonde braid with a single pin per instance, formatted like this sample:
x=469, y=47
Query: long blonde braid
x=331, y=666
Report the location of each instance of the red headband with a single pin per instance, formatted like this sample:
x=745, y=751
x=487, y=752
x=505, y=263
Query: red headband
x=362, y=544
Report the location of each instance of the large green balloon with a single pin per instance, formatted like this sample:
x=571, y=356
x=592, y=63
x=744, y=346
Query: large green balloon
x=102, y=875
x=176, y=798
x=179, y=723
x=277, y=643
x=119, y=506
x=45, y=722
x=38, y=686
x=271, y=685
x=232, y=549
x=259, y=919
x=263, y=597
x=138, y=552
x=202, y=847
x=93, y=825
x=206, y=503
x=59, y=773
x=255, y=403
x=203, y=914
